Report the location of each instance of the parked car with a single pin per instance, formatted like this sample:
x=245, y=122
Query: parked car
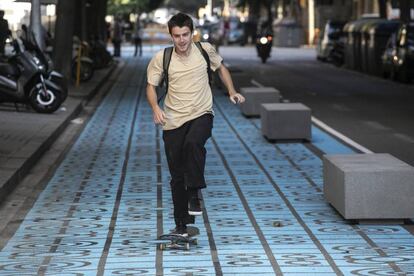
x=387, y=58
x=236, y=36
x=211, y=32
x=337, y=54
x=403, y=60
x=236, y=32
x=328, y=39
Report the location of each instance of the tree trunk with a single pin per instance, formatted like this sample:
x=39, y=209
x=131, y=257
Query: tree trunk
x=382, y=4
x=62, y=50
x=91, y=15
x=104, y=11
x=268, y=4
x=405, y=10
x=80, y=23
x=96, y=12
x=77, y=26
x=36, y=24
x=84, y=29
x=101, y=26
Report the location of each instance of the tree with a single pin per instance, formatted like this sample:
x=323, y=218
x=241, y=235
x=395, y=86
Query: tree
x=187, y=6
x=255, y=7
x=95, y=19
x=132, y=6
x=62, y=48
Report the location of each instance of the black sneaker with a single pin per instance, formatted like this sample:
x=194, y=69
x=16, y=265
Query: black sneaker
x=194, y=206
x=180, y=229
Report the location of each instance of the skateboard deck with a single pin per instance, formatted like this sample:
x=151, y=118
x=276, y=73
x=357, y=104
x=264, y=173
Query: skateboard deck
x=176, y=241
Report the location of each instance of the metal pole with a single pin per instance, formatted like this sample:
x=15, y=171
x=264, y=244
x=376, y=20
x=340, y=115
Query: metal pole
x=311, y=10
x=35, y=23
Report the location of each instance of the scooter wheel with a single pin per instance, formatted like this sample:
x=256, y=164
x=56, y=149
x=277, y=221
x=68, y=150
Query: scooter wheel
x=42, y=102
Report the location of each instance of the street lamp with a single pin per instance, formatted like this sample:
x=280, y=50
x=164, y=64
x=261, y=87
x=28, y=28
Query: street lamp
x=50, y=11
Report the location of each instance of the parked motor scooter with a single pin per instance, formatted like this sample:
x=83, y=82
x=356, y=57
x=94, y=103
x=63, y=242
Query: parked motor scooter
x=22, y=81
x=99, y=55
x=86, y=65
x=264, y=44
x=31, y=45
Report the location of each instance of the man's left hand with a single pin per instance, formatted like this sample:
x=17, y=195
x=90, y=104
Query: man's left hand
x=237, y=98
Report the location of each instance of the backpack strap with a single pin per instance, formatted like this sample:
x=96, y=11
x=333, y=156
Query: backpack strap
x=165, y=65
x=207, y=58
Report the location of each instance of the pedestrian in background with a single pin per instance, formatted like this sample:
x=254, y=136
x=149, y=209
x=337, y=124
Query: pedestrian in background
x=137, y=38
x=117, y=36
x=108, y=31
x=4, y=32
x=187, y=116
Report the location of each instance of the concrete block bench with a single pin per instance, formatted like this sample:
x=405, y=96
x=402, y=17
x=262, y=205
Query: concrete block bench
x=281, y=121
x=255, y=96
x=369, y=186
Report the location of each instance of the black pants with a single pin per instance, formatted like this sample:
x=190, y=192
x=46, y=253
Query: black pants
x=117, y=47
x=2, y=46
x=186, y=156
x=138, y=45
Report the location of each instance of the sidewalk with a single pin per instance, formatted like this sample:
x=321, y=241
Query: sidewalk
x=25, y=135
x=264, y=208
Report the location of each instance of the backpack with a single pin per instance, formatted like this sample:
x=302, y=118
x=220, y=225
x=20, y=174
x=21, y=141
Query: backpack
x=166, y=65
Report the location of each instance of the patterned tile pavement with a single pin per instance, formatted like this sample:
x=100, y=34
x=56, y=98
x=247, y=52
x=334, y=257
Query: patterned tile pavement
x=265, y=211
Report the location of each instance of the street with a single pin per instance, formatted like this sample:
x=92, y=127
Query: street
x=372, y=111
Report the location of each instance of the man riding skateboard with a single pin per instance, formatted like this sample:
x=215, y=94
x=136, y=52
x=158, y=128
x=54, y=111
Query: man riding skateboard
x=187, y=114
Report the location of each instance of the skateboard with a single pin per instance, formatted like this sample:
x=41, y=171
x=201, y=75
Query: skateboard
x=176, y=241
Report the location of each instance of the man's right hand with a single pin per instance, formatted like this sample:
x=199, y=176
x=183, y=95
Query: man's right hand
x=159, y=116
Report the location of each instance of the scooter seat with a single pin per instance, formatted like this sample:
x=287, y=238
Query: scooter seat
x=7, y=69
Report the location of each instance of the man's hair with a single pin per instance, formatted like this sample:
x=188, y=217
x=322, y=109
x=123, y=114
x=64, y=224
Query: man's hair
x=180, y=20
x=1, y=13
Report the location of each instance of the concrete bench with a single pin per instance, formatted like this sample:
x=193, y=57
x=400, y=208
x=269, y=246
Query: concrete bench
x=281, y=121
x=369, y=186
x=255, y=96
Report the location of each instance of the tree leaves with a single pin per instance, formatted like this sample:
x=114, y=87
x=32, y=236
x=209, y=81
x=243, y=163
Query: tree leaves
x=132, y=6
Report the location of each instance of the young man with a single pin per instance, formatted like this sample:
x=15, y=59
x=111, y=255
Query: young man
x=187, y=118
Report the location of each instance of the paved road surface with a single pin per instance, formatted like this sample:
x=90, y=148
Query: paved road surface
x=374, y=112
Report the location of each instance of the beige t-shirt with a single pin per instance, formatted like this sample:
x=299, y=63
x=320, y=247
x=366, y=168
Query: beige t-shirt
x=189, y=94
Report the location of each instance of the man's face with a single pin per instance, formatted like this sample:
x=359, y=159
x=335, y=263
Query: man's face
x=182, y=38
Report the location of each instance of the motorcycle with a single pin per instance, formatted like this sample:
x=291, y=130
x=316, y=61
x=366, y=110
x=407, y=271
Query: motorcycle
x=31, y=45
x=81, y=55
x=100, y=56
x=264, y=46
x=22, y=80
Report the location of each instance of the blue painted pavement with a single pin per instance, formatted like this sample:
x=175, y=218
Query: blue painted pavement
x=265, y=211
